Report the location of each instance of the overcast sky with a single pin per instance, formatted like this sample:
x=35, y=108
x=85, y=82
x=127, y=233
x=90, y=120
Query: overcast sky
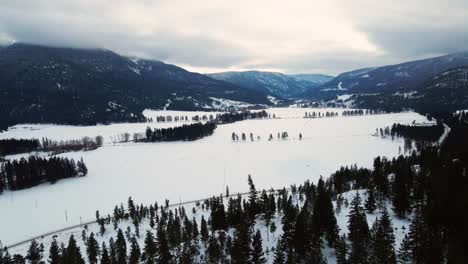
x=295, y=36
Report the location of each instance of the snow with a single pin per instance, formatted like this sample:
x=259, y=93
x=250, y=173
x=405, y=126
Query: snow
x=344, y=97
x=190, y=170
x=221, y=103
x=365, y=76
x=273, y=99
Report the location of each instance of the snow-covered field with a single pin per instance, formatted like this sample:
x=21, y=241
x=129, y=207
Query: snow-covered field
x=190, y=170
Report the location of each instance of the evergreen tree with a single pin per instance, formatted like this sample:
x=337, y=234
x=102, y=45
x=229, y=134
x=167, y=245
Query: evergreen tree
x=54, y=253
x=72, y=253
x=258, y=257
x=341, y=250
x=105, y=259
x=92, y=249
x=35, y=252
x=121, y=247
x=135, y=253
x=401, y=193
x=253, y=208
x=150, y=250
x=164, y=256
x=279, y=252
x=359, y=234
x=370, y=203
x=241, y=244
x=204, y=229
x=383, y=241
x=213, y=250
x=404, y=252
x=112, y=251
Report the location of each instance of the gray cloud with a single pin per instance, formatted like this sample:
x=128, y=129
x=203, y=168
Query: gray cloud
x=309, y=36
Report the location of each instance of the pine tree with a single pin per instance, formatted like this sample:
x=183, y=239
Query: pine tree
x=404, y=252
x=121, y=247
x=35, y=252
x=92, y=249
x=279, y=252
x=112, y=251
x=383, y=241
x=150, y=249
x=214, y=250
x=135, y=253
x=253, y=208
x=54, y=253
x=370, y=203
x=5, y=257
x=258, y=257
x=241, y=244
x=341, y=250
x=359, y=234
x=204, y=229
x=164, y=256
x=105, y=259
x=72, y=252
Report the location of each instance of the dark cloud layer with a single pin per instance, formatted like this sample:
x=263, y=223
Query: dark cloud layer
x=329, y=37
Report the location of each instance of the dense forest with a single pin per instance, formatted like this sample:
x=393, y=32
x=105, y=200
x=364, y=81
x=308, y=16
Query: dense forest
x=26, y=173
x=15, y=146
x=427, y=133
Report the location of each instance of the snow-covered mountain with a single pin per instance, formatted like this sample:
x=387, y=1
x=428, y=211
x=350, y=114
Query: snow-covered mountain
x=81, y=86
x=276, y=83
x=392, y=78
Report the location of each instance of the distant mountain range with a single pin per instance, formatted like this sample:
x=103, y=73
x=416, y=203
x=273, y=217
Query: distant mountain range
x=279, y=84
x=404, y=77
x=85, y=86
x=444, y=92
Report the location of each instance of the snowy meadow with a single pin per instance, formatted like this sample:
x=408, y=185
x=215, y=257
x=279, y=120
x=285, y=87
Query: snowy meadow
x=181, y=171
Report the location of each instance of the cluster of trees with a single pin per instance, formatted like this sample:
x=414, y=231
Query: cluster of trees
x=15, y=146
x=243, y=137
x=25, y=173
x=425, y=133
x=176, y=118
x=86, y=144
x=360, y=112
x=239, y=116
x=185, y=132
x=320, y=114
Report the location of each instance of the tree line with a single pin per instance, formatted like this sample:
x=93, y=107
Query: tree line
x=184, y=132
x=426, y=133
x=16, y=146
x=25, y=173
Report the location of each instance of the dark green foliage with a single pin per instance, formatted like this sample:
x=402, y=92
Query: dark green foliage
x=121, y=248
x=359, y=234
x=72, y=253
x=383, y=241
x=258, y=257
x=25, y=173
x=150, y=250
x=54, y=253
x=105, y=259
x=35, y=252
x=135, y=252
x=184, y=132
x=92, y=249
